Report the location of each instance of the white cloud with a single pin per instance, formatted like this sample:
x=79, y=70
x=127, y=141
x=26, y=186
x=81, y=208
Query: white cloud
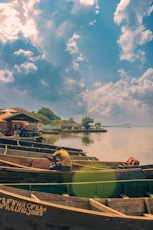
x=120, y=14
x=27, y=53
x=134, y=34
x=73, y=50
x=127, y=99
x=61, y=28
x=59, y=43
x=6, y=76
x=26, y=67
x=72, y=44
x=84, y=3
x=73, y=84
x=16, y=18
x=88, y=2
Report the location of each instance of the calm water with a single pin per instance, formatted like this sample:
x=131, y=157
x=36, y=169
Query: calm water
x=116, y=144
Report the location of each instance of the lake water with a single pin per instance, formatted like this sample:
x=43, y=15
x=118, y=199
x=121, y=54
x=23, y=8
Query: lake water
x=118, y=144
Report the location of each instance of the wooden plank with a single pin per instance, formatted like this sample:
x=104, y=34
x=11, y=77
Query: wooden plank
x=33, y=196
x=18, y=143
x=148, y=215
x=147, y=205
x=104, y=208
x=5, y=151
x=130, y=206
x=13, y=164
x=22, y=166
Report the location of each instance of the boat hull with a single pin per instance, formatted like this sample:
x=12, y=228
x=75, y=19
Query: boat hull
x=18, y=210
x=101, y=189
x=15, y=174
x=42, y=147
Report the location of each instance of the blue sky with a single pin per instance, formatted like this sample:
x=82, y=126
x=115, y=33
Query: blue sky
x=78, y=58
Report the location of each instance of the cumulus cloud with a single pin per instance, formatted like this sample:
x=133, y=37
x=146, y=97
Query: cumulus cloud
x=49, y=49
x=40, y=46
x=27, y=53
x=74, y=51
x=26, y=67
x=130, y=15
x=128, y=99
x=6, y=76
x=16, y=20
x=59, y=30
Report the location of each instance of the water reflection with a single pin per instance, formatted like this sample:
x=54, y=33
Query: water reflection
x=86, y=139
x=117, y=144
x=50, y=139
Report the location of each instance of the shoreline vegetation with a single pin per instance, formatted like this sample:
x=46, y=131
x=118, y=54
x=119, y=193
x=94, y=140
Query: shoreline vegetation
x=50, y=131
x=49, y=122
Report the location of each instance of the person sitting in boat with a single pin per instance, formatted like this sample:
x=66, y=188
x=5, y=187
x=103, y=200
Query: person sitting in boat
x=62, y=160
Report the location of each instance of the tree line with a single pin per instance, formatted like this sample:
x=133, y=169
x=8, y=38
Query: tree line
x=47, y=117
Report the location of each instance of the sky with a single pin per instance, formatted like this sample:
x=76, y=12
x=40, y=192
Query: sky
x=79, y=58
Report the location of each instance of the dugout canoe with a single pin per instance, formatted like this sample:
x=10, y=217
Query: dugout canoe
x=20, y=169
x=132, y=188
x=38, y=210
x=25, y=152
x=38, y=150
x=28, y=138
x=19, y=174
x=37, y=145
x=44, y=161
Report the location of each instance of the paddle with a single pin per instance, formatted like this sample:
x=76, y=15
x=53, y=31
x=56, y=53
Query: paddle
x=49, y=158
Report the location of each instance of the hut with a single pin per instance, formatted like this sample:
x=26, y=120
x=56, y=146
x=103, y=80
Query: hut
x=24, y=123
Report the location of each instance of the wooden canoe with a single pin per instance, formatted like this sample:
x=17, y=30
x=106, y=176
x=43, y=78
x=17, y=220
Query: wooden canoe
x=19, y=174
x=97, y=189
x=38, y=150
x=22, y=169
x=15, y=159
x=25, y=152
x=38, y=145
x=28, y=138
x=42, y=211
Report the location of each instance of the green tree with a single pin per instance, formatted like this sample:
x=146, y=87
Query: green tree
x=69, y=121
x=42, y=119
x=48, y=113
x=86, y=122
x=97, y=125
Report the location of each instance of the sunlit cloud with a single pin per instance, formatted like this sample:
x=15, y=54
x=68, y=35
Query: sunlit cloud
x=69, y=56
x=128, y=97
x=16, y=20
x=130, y=15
